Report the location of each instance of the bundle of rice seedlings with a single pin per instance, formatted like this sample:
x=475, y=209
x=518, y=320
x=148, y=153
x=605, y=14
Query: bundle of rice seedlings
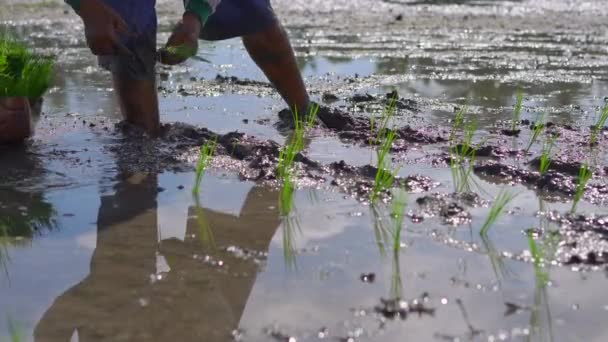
x=22, y=72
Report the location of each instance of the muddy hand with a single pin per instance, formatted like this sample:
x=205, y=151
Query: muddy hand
x=183, y=42
x=102, y=26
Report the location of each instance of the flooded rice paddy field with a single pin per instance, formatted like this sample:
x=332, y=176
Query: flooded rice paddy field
x=107, y=243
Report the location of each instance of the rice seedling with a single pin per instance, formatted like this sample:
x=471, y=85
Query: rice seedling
x=183, y=51
x=584, y=175
x=545, y=158
x=499, y=267
x=458, y=124
x=396, y=291
x=466, y=149
x=291, y=227
x=385, y=175
x=539, y=126
x=597, y=128
x=22, y=73
x=205, y=233
x=388, y=223
x=289, y=152
x=542, y=254
x=15, y=331
x=517, y=109
x=500, y=202
x=387, y=114
x=285, y=172
x=205, y=156
x=398, y=206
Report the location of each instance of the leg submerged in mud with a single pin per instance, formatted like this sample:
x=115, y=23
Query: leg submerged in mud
x=138, y=102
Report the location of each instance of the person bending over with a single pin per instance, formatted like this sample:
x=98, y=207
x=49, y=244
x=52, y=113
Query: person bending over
x=122, y=33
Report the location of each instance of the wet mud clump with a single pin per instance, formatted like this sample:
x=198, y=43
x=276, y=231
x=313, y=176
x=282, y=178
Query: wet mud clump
x=253, y=159
x=359, y=181
x=450, y=208
x=551, y=183
x=583, y=239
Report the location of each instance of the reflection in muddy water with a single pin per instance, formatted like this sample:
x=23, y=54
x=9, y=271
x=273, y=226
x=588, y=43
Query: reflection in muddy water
x=139, y=281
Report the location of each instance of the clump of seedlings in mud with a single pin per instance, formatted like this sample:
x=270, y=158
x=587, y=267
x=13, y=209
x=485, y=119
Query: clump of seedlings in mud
x=287, y=157
x=205, y=156
x=498, y=207
x=584, y=175
x=285, y=173
x=539, y=126
x=390, y=234
x=545, y=158
x=597, y=128
x=382, y=130
x=462, y=152
x=385, y=176
x=517, y=110
x=22, y=72
x=384, y=138
x=516, y=116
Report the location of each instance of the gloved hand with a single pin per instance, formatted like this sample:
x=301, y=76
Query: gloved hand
x=102, y=27
x=183, y=42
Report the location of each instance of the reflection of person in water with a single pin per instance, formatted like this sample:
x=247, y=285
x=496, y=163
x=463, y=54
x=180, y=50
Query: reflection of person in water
x=126, y=298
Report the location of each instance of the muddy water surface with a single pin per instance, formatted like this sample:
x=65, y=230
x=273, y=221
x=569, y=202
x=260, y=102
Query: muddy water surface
x=105, y=242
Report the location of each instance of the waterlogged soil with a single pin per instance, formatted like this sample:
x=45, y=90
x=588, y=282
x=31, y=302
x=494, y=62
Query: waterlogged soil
x=103, y=240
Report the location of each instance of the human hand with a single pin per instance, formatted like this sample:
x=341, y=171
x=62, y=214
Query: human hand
x=102, y=26
x=183, y=42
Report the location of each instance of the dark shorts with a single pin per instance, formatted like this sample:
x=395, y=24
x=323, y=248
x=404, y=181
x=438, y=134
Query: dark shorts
x=232, y=18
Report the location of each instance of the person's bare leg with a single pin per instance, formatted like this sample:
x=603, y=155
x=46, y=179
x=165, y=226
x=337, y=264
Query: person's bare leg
x=138, y=102
x=271, y=51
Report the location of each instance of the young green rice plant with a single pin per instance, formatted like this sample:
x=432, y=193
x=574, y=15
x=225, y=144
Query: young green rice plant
x=205, y=233
x=545, y=158
x=388, y=222
x=287, y=157
x=517, y=109
x=597, y=128
x=461, y=174
x=497, y=261
x=15, y=331
x=205, y=157
x=500, y=203
x=22, y=73
x=540, y=317
x=396, y=291
x=289, y=152
x=460, y=152
x=383, y=125
x=584, y=175
x=458, y=124
x=398, y=206
x=291, y=227
x=385, y=175
x=539, y=126
x=183, y=51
